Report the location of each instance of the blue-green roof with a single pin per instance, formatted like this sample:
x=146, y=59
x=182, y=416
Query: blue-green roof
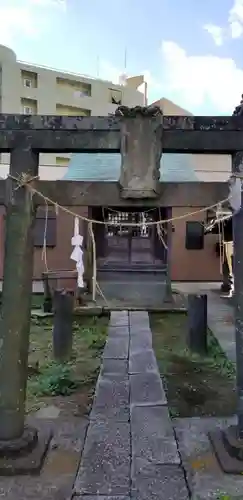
x=106, y=167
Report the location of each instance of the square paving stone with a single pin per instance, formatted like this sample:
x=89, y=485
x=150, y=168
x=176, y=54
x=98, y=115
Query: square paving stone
x=153, y=437
x=100, y=497
x=147, y=390
x=206, y=479
x=116, y=348
x=105, y=465
x=140, y=318
x=119, y=318
x=117, y=331
x=27, y=488
x=137, y=328
x=159, y=482
x=111, y=399
x=140, y=342
x=114, y=366
x=142, y=361
x=60, y=467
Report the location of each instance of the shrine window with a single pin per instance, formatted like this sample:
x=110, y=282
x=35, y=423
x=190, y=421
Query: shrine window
x=49, y=224
x=194, y=235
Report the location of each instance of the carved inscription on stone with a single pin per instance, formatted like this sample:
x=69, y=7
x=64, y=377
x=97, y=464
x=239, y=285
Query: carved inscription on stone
x=141, y=149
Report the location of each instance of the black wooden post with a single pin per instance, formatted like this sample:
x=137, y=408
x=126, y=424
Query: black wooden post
x=169, y=229
x=62, y=329
x=47, y=303
x=16, y=295
x=197, y=323
x=225, y=287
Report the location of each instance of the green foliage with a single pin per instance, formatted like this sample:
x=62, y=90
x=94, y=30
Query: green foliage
x=79, y=374
x=223, y=496
x=55, y=380
x=195, y=385
x=218, y=358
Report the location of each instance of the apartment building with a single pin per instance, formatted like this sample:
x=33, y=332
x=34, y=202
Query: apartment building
x=29, y=89
x=206, y=167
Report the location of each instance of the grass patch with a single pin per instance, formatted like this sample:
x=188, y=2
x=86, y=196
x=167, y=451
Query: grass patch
x=195, y=385
x=48, y=379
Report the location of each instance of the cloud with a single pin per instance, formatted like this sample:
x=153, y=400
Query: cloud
x=24, y=18
x=216, y=31
x=234, y=27
x=61, y=4
x=106, y=71
x=195, y=80
x=236, y=19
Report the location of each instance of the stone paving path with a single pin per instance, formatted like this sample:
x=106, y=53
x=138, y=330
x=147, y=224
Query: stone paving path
x=130, y=450
x=221, y=322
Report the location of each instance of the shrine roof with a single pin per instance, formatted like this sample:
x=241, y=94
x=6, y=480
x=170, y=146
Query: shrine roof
x=106, y=167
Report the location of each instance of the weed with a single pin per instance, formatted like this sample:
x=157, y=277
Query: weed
x=55, y=380
x=195, y=385
x=79, y=374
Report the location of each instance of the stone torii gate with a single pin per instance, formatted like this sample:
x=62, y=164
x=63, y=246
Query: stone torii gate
x=141, y=135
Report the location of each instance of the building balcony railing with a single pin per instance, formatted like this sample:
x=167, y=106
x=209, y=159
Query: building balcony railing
x=65, y=72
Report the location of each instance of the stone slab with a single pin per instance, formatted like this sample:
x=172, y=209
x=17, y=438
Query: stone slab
x=147, y=390
x=29, y=488
x=60, y=466
x=39, y=313
x=116, y=348
x=48, y=412
x=105, y=466
x=111, y=399
x=142, y=361
x=158, y=482
x=139, y=327
x=139, y=318
x=30, y=463
x=119, y=318
x=140, y=342
x=153, y=437
x=89, y=310
x=114, y=366
x=117, y=331
x=206, y=479
x=99, y=497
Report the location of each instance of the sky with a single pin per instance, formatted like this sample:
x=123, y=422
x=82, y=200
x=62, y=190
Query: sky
x=191, y=51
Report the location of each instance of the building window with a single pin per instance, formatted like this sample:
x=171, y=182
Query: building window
x=41, y=225
x=29, y=79
x=194, y=235
x=71, y=111
x=115, y=97
x=28, y=106
x=81, y=93
x=80, y=89
x=27, y=110
x=27, y=82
